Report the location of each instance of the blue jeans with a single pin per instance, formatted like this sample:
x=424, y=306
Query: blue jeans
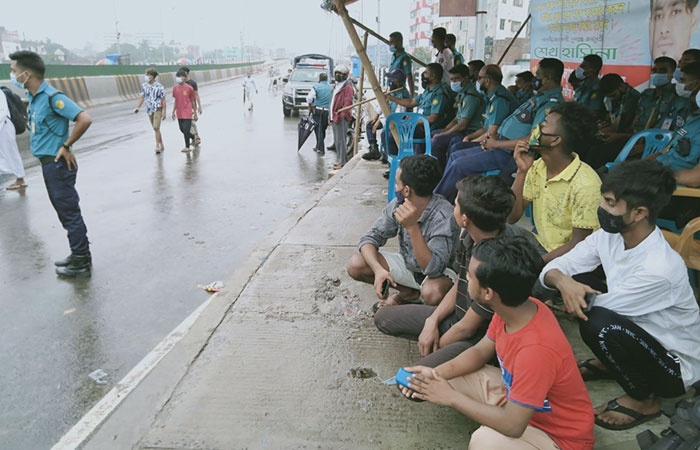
x=60, y=185
x=468, y=162
x=440, y=145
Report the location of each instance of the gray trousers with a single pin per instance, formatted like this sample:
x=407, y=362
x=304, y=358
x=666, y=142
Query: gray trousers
x=340, y=129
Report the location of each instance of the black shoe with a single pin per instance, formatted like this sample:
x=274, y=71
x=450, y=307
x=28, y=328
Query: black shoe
x=373, y=154
x=331, y=147
x=79, y=266
x=66, y=261
x=386, y=174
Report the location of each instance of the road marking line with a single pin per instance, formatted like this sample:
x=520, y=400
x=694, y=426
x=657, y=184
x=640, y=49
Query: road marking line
x=82, y=430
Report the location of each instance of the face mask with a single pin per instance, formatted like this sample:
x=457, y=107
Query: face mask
x=680, y=90
x=146, y=78
x=424, y=83
x=536, y=84
x=338, y=77
x=677, y=74
x=178, y=80
x=607, y=102
x=659, y=79
x=399, y=197
x=697, y=99
x=392, y=48
x=456, y=86
x=579, y=73
x=535, y=141
x=609, y=222
x=16, y=82
x=480, y=86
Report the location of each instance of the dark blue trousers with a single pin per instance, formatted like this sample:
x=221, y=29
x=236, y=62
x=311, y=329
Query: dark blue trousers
x=440, y=146
x=468, y=162
x=60, y=185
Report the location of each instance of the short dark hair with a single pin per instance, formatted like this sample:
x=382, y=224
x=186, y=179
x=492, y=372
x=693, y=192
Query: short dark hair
x=440, y=33
x=494, y=72
x=186, y=69
x=689, y=5
x=152, y=72
x=576, y=126
x=421, y=173
x=397, y=35
x=526, y=76
x=693, y=52
x=486, y=201
x=666, y=60
x=323, y=76
x=476, y=64
x=610, y=82
x=509, y=265
x=461, y=70
x=31, y=61
x=553, y=68
x=692, y=68
x=180, y=73
x=436, y=69
x=594, y=60
x=451, y=38
x=641, y=183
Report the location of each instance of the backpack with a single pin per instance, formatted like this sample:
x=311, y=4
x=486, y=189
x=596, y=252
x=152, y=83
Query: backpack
x=18, y=112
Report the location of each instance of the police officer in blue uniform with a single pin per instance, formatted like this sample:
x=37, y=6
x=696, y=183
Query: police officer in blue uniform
x=319, y=100
x=660, y=106
x=588, y=92
x=496, y=153
x=451, y=42
x=400, y=59
x=50, y=141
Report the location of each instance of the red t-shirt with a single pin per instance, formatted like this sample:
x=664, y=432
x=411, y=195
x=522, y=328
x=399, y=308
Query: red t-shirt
x=540, y=372
x=183, y=94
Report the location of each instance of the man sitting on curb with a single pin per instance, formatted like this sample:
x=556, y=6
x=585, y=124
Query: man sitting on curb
x=427, y=233
x=537, y=399
x=457, y=323
x=645, y=331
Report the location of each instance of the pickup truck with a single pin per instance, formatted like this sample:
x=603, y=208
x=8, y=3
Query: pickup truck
x=303, y=77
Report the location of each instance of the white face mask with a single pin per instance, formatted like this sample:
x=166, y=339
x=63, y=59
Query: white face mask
x=146, y=78
x=680, y=90
x=697, y=100
x=178, y=80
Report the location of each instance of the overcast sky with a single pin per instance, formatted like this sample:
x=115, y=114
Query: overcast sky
x=298, y=25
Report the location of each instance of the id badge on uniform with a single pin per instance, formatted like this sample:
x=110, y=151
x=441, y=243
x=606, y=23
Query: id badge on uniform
x=667, y=123
x=419, y=110
x=33, y=127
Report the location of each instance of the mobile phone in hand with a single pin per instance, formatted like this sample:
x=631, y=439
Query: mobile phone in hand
x=385, y=288
x=590, y=300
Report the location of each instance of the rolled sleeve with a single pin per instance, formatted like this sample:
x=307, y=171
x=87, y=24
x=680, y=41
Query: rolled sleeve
x=584, y=257
x=441, y=242
x=384, y=228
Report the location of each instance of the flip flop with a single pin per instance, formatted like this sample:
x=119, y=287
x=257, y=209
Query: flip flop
x=15, y=186
x=595, y=373
x=638, y=417
x=413, y=399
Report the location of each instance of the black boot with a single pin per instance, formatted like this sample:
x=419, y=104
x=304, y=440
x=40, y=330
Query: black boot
x=78, y=266
x=65, y=261
x=373, y=154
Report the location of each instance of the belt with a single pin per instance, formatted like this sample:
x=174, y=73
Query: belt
x=47, y=159
x=321, y=109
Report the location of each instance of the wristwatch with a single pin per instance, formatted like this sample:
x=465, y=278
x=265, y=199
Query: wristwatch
x=67, y=147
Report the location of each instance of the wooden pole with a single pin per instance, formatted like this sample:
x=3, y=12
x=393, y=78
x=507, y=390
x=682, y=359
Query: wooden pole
x=512, y=41
x=358, y=111
x=367, y=100
x=362, y=53
x=383, y=39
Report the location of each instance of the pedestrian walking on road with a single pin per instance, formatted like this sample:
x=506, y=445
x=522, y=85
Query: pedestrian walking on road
x=184, y=108
x=153, y=93
x=10, y=161
x=49, y=113
x=319, y=100
x=191, y=82
x=342, y=97
x=248, y=88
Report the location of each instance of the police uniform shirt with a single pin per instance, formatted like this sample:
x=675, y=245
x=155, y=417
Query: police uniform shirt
x=588, y=94
x=530, y=113
x=625, y=109
x=432, y=101
x=523, y=96
x=684, y=149
x=470, y=106
x=48, y=127
x=403, y=93
x=501, y=104
x=458, y=58
x=670, y=113
x=401, y=60
x=324, y=94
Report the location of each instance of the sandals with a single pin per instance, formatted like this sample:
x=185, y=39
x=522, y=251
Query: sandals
x=594, y=372
x=638, y=417
x=16, y=186
x=337, y=166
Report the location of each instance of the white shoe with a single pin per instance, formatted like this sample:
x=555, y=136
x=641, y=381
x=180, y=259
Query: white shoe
x=185, y=150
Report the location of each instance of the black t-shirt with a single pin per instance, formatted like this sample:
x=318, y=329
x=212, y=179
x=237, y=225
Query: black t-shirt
x=192, y=83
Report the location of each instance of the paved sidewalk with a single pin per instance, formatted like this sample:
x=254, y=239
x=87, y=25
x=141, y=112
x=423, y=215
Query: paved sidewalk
x=287, y=355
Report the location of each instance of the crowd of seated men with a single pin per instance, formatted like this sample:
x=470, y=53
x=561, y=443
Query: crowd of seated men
x=469, y=286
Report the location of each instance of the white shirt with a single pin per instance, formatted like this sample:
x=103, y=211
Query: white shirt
x=649, y=285
x=249, y=84
x=447, y=60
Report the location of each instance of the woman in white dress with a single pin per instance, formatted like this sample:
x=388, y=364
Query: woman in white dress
x=10, y=161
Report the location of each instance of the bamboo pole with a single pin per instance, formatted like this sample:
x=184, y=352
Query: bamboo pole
x=362, y=53
x=367, y=100
x=358, y=111
x=383, y=39
x=512, y=41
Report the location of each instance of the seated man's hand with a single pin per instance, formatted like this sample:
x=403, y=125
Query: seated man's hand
x=427, y=384
x=379, y=278
x=429, y=338
x=522, y=159
x=375, y=126
x=407, y=214
x=488, y=143
x=574, y=295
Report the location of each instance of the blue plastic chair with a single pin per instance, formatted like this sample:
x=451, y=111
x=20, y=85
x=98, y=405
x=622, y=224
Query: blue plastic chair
x=405, y=123
x=655, y=139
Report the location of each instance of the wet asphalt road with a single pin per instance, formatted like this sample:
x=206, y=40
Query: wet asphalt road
x=160, y=226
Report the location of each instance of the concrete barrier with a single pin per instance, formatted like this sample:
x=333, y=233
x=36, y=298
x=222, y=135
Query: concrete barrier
x=103, y=90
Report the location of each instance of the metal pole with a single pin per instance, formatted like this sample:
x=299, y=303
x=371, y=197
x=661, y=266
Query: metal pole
x=358, y=111
x=480, y=39
x=382, y=38
x=512, y=41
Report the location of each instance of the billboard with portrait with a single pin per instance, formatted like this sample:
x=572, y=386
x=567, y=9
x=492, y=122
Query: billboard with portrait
x=628, y=35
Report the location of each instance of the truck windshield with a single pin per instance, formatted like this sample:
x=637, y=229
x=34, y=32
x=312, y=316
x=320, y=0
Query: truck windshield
x=305, y=75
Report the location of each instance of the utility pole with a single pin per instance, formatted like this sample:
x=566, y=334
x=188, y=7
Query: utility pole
x=116, y=27
x=480, y=39
x=379, y=31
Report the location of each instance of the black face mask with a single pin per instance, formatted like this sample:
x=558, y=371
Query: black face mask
x=536, y=84
x=610, y=222
x=425, y=83
x=338, y=77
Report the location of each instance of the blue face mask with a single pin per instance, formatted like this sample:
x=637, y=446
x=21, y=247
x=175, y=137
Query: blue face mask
x=399, y=197
x=392, y=48
x=456, y=86
x=579, y=73
x=16, y=82
x=677, y=74
x=659, y=79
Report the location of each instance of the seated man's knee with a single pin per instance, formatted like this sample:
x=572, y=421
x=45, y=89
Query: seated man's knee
x=433, y=292
x=598, y=318
x=488, y=438
x=382, y=319
x=356, y=266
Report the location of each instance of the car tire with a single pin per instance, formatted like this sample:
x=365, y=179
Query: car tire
x=286, y=111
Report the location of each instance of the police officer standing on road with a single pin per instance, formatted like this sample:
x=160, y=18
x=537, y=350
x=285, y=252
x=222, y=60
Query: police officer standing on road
x=400, y=59
x=49, y=140
x=319, y=100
